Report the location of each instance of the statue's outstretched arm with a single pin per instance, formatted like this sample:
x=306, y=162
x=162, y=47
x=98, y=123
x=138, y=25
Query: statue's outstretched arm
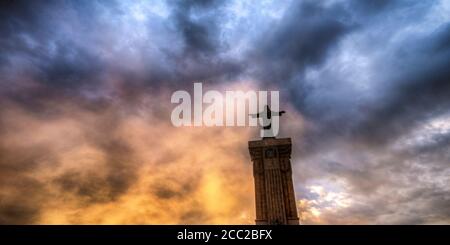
x=278, y=113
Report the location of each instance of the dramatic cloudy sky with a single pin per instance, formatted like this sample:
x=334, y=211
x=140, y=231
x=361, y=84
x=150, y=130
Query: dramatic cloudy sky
x=85, y=132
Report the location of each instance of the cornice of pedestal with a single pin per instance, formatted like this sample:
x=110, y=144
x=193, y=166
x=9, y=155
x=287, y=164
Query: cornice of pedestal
x=269, y=142
x=282, y=145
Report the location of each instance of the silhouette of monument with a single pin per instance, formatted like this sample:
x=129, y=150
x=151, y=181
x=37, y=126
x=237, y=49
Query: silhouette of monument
x=267, y=115
x=274, y=189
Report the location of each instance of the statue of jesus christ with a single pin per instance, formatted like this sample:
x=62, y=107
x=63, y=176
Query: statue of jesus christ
x=266, y=116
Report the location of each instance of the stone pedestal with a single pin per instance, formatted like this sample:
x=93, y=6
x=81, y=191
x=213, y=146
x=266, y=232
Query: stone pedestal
x=274, y=190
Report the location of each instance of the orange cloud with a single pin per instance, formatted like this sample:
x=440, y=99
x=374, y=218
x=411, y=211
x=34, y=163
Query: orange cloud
x=122, y=164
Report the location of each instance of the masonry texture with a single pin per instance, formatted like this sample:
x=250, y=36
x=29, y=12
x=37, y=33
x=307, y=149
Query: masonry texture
x=274, y=189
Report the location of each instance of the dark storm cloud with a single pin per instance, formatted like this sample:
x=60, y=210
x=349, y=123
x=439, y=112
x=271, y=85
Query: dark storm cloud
x=306, y=37
x=303, y=37
x=175, y=188
x=411, y=84
x=378, y=183
x=199, y=25
x=37, y=45
x=21, y=204
x=20, y=16
x=200, y=35
x=106, y=186
x=60, y=45
x=114, y=180
x=24, y=194
x=421, y=92
x=309, y=35
x=365, y=74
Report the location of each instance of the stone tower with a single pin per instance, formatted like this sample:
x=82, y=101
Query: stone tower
x=274, y=189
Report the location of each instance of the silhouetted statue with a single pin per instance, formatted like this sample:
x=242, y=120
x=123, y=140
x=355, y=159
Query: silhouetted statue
x=266, y=115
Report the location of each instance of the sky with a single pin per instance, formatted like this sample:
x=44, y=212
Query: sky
x=85, y=131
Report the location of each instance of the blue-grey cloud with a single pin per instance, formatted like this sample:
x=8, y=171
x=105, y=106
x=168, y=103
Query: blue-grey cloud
x=371, y=76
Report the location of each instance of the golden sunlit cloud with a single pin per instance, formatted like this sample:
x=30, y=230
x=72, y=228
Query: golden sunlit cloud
x=126, y=164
